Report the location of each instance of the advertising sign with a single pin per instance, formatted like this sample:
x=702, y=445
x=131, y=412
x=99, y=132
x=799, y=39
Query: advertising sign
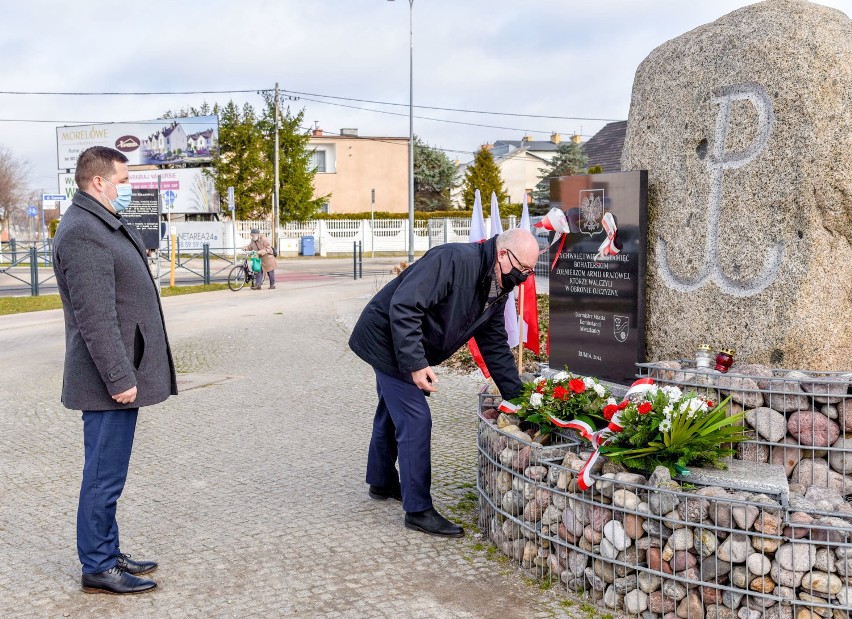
x=149, y=142
x=185, y=190
x=144, y=214
x=597, y=285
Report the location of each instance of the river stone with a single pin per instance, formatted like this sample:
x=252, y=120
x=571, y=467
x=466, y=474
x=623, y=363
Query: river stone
x=674, y=590
x=828, y=389
x=577, y=562
x=691, y=607
x=649, y=582
x=599, y=517
x=612, y=599
x=626, y=499
x=742, y=390
x=787, y=395
x=841, y=461
x=636, y=602
x=614, y=532
x=822, y=582
x=720, y=612
x=817, y=472
x=798, y=557
x=625, y=585
x=659, y=603
x=704, y=542
x=812, y=428
x=786, y=454
x=734, y=549
x=768, y=423
x=785, y=577
x=719, y=116
x=633, y=526
x=758, y=564
x=746, y=613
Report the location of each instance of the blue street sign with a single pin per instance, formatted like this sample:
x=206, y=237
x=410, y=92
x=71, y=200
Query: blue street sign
x=53, y=197
x=169, y=197
x=32, y=211
x=231, y=205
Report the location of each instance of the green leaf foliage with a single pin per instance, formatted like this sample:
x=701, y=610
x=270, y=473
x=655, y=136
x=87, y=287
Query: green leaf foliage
x=434, y=177
x=569, y=160
x=483, y=174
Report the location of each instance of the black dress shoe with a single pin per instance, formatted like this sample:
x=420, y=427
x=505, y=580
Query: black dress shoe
x=116, y=581
x=433, y=523
x=383, y=493
x=135, y=567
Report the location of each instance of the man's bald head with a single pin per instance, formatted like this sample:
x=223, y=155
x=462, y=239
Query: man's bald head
x=516, y=249
x=521, y=243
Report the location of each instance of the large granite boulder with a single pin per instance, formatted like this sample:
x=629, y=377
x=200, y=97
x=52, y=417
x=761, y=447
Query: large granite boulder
x=745, y=128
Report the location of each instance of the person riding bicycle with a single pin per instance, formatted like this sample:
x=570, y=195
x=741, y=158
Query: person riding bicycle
x=263, y=247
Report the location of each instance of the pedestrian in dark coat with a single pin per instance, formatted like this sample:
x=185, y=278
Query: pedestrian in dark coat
x=454, y=292
x=117, y=356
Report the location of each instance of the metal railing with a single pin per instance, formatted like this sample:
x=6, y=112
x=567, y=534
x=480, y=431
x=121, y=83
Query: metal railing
x=28, y=264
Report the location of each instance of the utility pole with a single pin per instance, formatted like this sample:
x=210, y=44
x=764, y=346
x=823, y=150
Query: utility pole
x=275, y=191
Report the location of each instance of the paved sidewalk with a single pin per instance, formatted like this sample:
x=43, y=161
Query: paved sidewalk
x=249, y=492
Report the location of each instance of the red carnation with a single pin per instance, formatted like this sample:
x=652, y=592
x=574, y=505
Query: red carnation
x=710, y=403
x=577, y=385
x=623, y=405
x=561, y=393
x=645, y=408
x=540, y=388
x=609, y=410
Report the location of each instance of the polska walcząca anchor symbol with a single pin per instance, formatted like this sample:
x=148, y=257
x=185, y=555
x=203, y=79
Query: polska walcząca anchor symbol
x=719, y=161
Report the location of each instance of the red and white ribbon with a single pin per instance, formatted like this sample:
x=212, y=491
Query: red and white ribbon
x=608, y=247
x=599, y=438
x=508, y=408
x=557, y=222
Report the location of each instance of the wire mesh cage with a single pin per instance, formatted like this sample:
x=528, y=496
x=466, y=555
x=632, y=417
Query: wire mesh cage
x=645, y=544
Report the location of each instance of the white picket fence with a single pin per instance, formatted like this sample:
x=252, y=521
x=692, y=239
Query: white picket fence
x=335, y=236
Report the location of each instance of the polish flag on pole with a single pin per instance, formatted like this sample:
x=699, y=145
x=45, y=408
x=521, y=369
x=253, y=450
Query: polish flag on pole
x=528, y=300
x=477, y=235
x=510, y=314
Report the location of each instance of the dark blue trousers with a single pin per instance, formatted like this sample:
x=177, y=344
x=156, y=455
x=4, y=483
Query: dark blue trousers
x=402, y=429
x=108, y=440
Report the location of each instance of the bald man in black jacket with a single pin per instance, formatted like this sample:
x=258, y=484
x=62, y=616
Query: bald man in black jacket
x=454, y=292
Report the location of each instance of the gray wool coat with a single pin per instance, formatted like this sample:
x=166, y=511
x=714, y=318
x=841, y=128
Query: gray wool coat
x=115, y=333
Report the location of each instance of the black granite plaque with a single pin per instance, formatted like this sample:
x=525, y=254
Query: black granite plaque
x=144, y=214
x=597, y=301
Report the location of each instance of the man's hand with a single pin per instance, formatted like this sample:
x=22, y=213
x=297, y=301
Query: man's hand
x=126, y=397
x=425, y=379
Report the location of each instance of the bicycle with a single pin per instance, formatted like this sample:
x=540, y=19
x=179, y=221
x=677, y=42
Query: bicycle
x=240, y=275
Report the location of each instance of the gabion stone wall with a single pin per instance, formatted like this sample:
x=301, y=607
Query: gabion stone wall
x=648, y=545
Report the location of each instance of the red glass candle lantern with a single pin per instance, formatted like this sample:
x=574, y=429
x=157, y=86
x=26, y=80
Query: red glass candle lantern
x=724, y=359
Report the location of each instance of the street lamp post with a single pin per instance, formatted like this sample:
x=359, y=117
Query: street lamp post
x=410, y=130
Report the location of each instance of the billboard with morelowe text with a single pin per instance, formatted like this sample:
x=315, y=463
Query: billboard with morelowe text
x=185, y=190
x=146, y=142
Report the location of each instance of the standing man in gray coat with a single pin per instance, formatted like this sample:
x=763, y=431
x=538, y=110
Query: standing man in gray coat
x=117, y=356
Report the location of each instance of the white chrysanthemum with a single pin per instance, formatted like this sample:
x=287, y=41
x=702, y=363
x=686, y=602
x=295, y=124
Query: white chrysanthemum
x=535, y=400
x=667, y=412
x=673, y=392
x=612, y=401
x=665, y=425
x=693, y=406
x=589, y=382
x=560, y=376
x=599, y=389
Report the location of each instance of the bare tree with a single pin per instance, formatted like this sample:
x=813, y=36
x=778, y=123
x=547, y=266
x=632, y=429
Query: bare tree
x=14, y=179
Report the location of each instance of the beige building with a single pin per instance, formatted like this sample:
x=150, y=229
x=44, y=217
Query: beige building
x=520, y=163
x=350, y=166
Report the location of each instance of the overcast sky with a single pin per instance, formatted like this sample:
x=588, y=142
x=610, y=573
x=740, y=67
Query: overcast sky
x=541, y=57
